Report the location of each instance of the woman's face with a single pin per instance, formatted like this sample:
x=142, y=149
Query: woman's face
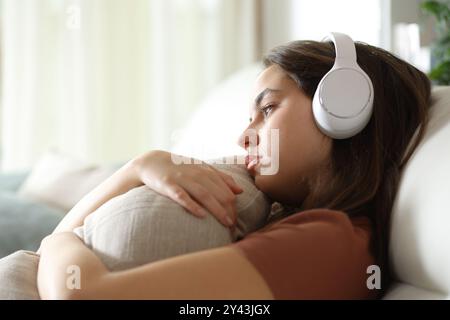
x=300, y=150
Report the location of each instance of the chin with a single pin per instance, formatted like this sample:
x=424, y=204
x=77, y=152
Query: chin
x=276, y=189
x=267, y=185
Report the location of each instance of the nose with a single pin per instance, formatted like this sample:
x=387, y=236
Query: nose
x=249, y=138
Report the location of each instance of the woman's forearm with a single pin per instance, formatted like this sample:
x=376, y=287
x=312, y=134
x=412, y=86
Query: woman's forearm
x=70, y=270
x=123, y=180
x=67, y=267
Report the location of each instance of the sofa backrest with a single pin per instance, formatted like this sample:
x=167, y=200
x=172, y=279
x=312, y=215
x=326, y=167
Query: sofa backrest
x=420, y=229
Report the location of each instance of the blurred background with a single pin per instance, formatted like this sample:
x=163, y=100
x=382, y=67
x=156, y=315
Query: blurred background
x=105, y=80
x=86, y=85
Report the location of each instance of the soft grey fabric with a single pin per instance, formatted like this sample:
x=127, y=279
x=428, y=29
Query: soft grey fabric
x=18, y=275
x=142, y=226
x=24, y=223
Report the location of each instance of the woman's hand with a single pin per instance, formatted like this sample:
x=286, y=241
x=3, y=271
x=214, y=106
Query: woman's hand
x=196, y=187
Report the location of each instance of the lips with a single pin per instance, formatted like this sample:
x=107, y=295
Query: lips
x=251, y=161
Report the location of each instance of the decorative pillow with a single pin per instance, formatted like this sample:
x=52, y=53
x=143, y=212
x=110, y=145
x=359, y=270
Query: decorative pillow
x=61, y=181
x=18, y=276
x=142, y=226
x=24, y=223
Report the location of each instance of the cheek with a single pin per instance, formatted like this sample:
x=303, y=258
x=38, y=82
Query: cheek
x=289, y=156
x=297, y=149
x=287, y=138
x=295, y=143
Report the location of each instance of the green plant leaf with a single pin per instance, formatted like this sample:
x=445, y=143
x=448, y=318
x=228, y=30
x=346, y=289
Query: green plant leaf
x=440, y=10
x=441, y=73
x=440, y=49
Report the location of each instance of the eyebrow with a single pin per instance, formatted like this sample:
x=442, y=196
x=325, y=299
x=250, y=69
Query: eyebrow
x=261, y=96
x=264, y=93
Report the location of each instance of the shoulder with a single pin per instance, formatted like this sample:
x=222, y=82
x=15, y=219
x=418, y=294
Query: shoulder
x=328, y=228
x=320, y=248
x=326, y=220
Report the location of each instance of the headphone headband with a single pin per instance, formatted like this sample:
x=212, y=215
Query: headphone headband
x=344, y=46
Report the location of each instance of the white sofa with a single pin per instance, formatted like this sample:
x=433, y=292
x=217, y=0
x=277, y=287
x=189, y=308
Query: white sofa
x=420, y=235
x=420, y=238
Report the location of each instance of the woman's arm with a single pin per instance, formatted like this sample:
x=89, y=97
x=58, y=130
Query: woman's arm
x=220, y=273
x=66, y=263
x=123, y=180
x=195, y=187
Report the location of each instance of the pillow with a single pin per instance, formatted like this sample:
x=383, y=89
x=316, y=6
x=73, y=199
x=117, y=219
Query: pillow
x=18, y=276
x=24, y=223
x=142, y=226
x=61, y=181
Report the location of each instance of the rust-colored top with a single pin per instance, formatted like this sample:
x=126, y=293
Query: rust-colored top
x=313, y=254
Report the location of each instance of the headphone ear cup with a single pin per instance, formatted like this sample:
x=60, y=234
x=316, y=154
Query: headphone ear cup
x=342, y=103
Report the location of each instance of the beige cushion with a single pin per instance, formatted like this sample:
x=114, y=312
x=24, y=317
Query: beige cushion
x=18, y=276
x=60, y=180
x=420, y=237
x=142, y=226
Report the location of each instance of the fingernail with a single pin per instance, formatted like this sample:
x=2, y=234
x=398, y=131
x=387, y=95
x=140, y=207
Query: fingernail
x=229, y=221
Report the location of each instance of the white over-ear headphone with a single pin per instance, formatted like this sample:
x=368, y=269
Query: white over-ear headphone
x=343, y=101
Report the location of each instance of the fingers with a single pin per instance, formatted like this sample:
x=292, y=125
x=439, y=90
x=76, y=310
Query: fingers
x=208, y=200
x=226, y=197
x=179, y=195
x=198, y=189
x=229, y=181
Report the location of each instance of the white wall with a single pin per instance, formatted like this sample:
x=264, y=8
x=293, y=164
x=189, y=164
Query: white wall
x=277, y=27
x=371, y=21
x=407, y=11
x=287, y=20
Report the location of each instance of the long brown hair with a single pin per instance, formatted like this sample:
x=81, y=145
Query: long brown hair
x=366, y=168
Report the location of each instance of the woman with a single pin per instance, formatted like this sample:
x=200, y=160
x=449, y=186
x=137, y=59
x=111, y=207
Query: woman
x=343, y=189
